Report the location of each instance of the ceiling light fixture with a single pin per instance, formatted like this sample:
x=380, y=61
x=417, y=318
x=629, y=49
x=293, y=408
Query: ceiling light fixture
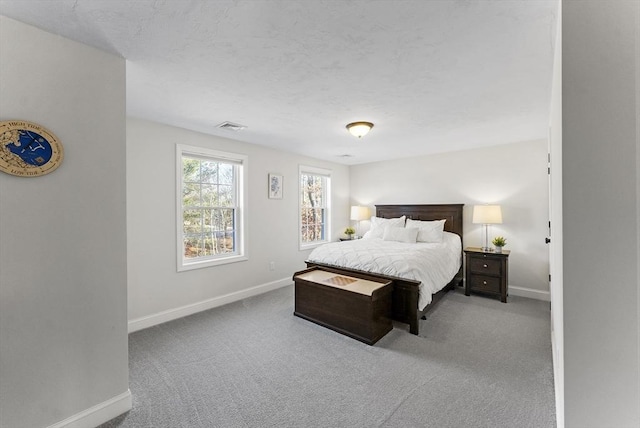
x=359, y=129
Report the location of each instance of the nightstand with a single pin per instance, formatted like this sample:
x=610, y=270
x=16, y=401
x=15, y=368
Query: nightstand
x=486, y=272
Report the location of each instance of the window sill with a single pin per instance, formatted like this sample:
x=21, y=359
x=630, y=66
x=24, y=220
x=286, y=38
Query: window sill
x=210, y=263
x=304, y=247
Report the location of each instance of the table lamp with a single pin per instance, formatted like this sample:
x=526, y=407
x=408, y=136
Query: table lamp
x=487, y=214
x=358, y=214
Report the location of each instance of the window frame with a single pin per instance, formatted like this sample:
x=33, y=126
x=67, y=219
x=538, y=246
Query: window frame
x=326, y=175
x=240, y=184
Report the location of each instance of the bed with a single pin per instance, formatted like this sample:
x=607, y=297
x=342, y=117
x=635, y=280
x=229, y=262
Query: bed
x=406, y=298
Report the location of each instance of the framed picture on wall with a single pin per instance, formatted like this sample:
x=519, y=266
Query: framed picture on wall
x=275, y=186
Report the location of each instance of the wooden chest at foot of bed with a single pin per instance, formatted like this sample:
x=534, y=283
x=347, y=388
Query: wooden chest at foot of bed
x=357, y=307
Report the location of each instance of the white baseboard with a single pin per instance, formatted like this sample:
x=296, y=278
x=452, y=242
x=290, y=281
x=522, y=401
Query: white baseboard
x=98, y=414
x=530, y=293
x=183, y=311
x=558, y=380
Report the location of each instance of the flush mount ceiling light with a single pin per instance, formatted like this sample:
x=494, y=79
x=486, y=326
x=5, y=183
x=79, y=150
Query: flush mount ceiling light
x=359, y=129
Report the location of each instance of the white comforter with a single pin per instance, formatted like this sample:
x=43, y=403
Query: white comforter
x=434, y=265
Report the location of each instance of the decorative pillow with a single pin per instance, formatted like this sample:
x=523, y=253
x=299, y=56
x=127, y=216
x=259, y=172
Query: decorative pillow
x=401, y=234
x=429, y=231
x=379, y=224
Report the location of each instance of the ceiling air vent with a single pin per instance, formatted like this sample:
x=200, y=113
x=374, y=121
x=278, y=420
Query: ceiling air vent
x=230, y=126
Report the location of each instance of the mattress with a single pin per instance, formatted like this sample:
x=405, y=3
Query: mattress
x=433, y=264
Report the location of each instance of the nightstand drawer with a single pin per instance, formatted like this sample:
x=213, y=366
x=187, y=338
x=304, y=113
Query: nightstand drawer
x=485, y=266
x=485, y=283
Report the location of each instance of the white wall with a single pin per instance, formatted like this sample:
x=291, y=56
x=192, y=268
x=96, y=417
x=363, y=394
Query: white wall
x=512, y=175
x=63, y=331
x=638, y=177
x=555, y=209
x=157, y=292
x=600, y=166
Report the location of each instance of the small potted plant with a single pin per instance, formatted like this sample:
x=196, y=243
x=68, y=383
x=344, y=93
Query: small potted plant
x=350, y=231
x=499, y=242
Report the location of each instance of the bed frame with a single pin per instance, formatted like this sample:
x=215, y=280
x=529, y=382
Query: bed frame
x=405, y=291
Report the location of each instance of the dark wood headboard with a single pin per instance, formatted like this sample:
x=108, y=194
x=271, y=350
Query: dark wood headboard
x=451, y=212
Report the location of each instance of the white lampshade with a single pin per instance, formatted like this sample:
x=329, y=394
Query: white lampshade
x=359, y=213
x=487, y=214
x=359, y=129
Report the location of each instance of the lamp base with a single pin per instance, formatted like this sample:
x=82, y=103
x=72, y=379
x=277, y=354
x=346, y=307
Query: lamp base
x=485, y=247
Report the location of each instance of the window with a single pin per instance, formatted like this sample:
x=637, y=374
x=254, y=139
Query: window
x=315, y=197
x=210, y=207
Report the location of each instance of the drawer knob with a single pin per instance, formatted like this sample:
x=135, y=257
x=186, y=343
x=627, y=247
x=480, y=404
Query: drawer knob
x=485, y=266
x=484, y=282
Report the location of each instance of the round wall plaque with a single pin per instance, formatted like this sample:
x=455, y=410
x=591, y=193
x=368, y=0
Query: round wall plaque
x=28, y=149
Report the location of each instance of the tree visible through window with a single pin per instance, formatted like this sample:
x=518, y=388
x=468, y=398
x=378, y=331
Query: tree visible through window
x=209, y=208
x=208, y=203
x=314, y=207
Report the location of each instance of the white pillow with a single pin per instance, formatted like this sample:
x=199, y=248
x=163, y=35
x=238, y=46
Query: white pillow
x=379, y=224
x=401, y=234
x=429, y=231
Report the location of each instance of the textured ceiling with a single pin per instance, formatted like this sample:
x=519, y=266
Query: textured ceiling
x=433, y=76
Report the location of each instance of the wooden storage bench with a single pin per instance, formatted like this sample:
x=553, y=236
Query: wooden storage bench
x=357, y=307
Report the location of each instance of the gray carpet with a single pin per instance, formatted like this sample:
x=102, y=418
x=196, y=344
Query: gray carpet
x=477, y=363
